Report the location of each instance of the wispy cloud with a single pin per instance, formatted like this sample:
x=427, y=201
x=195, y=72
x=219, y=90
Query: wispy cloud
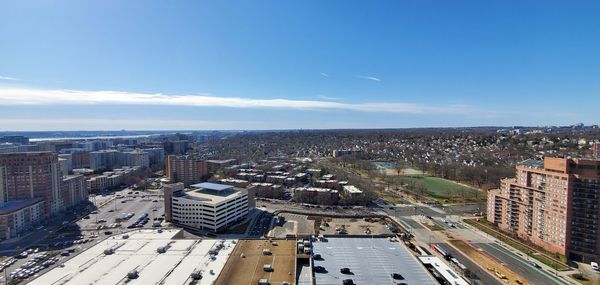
x=10, y=78
x=68, y=124
x=28, y=96
x=324, y=74
x=368, y=77
x=330, y=97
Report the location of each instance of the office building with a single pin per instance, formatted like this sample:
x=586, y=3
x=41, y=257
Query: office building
x=206, y=206
x=596, y=150
x=554, y=204
x=188, y=169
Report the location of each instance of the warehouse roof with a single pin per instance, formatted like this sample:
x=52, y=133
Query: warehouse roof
x=139, y=252
x=370, y=260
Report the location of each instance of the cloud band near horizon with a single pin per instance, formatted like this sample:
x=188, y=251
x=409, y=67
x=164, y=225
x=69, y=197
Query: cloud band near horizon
x=28, y=96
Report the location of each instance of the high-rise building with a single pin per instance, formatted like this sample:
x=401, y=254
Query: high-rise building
x=29, y=175
x=73, y=190
x=553, y=203
x=596, y=150
x=32, y=187
x=188, y=169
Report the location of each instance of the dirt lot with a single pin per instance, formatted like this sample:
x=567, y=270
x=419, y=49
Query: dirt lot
x=355, y=226
x=245, y=266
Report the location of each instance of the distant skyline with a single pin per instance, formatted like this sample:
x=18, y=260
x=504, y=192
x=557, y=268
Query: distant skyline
x=136, y=65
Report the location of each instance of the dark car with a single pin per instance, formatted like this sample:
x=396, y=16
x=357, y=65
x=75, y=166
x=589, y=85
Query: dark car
x=317, y=257
x=108, y=233
x=348, y=282
x=345, y=270
x=397, y=276
x=320, y=269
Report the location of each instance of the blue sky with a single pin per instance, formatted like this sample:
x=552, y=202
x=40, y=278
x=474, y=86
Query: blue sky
x=103, y=65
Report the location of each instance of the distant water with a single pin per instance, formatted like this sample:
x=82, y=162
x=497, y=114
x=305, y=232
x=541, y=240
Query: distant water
x=91, y=138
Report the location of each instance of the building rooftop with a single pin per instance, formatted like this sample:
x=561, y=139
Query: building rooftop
x=246, y=265
x=443, y=269
x=213, y=196
x=532, y=163
x=139, y=252
x=370, y=260
x=212, y=186
x=352, y=189
x=14, y=205
x=315, y=189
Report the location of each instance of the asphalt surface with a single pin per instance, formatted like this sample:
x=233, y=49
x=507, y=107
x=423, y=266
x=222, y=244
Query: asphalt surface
x=518, y=265
x=483, y=277
x=86, y=228
x=133, y=203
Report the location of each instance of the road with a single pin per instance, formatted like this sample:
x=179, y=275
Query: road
x=518, y=265
x=482, y=277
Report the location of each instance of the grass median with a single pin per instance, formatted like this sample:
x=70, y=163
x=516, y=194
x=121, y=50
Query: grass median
x=520, y=246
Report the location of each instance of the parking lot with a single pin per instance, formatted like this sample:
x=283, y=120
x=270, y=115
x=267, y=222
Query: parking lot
x=74, y=238
x=110, y=218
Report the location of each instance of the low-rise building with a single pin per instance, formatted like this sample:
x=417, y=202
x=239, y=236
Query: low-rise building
x=111, y=179
x=267, y=190
x=17, y=216
x=314, y=195
x=354, y=194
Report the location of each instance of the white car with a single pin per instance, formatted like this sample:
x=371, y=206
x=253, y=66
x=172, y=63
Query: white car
x=594, y=265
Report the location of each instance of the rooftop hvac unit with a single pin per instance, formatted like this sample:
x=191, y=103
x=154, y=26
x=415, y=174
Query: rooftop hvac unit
x=133, y=274
x=196, y=275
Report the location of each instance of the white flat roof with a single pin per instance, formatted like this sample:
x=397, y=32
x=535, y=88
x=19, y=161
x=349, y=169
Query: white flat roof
x=443, y=269
x=212, y=186
x=351, y=189
x=138, y=252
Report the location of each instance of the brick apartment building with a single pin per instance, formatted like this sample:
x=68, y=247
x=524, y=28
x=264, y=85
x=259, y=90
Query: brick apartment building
x=31, y=188
x=188, y=169
x=554, y=203
x=596, y=150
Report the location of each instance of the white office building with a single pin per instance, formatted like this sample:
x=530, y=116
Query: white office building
x=206, y=206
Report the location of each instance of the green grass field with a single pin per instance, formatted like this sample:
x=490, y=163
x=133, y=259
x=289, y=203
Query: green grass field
x=443, y=190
